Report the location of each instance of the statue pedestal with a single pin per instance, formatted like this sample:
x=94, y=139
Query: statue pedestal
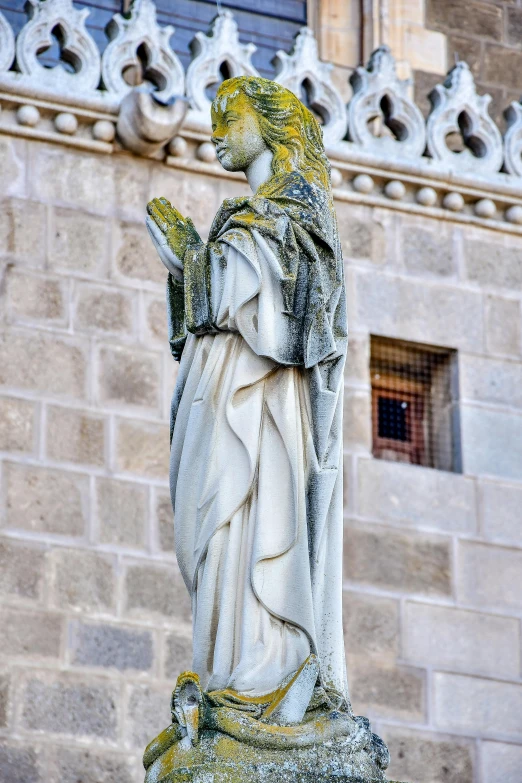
x=211, y=740
x=218, y=758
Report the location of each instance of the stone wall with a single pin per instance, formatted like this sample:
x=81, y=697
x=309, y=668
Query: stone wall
x=488, y=35
x=95, y=620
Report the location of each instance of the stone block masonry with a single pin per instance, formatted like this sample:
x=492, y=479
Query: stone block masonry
x=97, y=617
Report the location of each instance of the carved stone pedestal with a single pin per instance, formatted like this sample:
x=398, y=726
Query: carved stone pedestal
x=219, y=738
x=222, y=759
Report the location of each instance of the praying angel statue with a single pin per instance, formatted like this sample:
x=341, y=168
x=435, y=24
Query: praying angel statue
x=257, y=320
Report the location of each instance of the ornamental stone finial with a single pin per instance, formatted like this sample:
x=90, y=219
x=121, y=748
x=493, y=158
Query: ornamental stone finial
x=379, y=93
x=140, y=33
x=303, y=70
x=7, y=44
x=77, y=46
x=218, y=49
x=457, y=108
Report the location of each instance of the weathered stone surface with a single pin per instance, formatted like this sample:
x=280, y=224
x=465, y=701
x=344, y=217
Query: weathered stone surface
x=358, y=360
x=157, y=320
x=30, y=634
x=492, y=263
x=503, y=325
x=16, y=241
x=82, y=580
x=79, y=242
x=382, y=690
x=75, y=436
x=19, y=764
x=410, y=310
x=414, y=495
x=122, y=510
x=164, y=521
x=4, y=701
x=428, y=758
x=501, y=761
x=21, y=570
x=478, y=18
x=147, y=714
x=502, y=66
x=65, y=176
x=489, y=575
x=467, y=49
x=461, y=640
x=491, y=442
x=67, y=705
x=394, y=559
x=362, y=236
x=428, y=252
x=143, y=448
x=357, y=421
x=45, y=500
x=129, y=376
x=371, y=625
x=135, y=254
x=83, y=765
x=501, y=509
x=491, y=380
x=156, y=590
x=178, y=651
x=99, y=309
x=16, y=424
x=52, y=364
x=111, y=646
x=481, y=707
x=36, y=298
x=12, y=165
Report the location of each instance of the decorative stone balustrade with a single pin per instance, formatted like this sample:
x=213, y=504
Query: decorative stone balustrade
x=137, y=96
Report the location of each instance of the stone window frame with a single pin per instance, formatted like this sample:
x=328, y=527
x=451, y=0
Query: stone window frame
x=425, y=377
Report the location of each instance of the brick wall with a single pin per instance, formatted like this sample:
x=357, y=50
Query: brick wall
x=95, y=619
x=488, y=35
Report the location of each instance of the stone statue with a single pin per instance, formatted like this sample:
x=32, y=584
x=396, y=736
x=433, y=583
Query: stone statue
x=257, y=318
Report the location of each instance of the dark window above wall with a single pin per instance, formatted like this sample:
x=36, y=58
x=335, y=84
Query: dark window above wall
x=270, y=24
x=415, y=416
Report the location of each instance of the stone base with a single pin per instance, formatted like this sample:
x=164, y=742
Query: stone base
x=218, y=758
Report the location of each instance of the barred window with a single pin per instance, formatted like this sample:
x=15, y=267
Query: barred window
x=415, y=415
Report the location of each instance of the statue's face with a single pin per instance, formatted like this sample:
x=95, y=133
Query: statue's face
x=236, y=132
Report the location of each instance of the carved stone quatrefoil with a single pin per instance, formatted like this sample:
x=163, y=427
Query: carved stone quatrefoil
x=456, y=108
x=380, y=94
x=219, y=47
x=139, y=43
x=78, y=47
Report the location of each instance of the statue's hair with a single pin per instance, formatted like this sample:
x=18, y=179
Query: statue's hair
x=288, y=128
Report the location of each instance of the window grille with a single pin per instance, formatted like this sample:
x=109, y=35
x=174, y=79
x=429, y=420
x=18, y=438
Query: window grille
x=415, y=416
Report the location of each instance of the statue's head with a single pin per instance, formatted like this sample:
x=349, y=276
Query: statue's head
x=251, y=114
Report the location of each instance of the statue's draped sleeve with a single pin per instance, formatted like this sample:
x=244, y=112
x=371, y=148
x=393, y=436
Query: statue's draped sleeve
x=292, y=222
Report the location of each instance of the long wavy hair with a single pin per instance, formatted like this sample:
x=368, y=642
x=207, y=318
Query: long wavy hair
x=289, y=129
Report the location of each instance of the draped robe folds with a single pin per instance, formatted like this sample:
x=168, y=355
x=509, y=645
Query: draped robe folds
x=259, y=321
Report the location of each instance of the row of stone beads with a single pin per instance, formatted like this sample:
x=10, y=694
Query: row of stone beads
x=454, y=201
x=65, y=122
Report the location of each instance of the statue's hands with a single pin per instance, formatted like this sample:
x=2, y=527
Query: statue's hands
x=171, y=233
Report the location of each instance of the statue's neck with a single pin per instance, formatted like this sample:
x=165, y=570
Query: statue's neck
x=260, y=170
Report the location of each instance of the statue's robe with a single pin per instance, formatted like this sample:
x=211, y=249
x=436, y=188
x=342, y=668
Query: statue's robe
x=256, y=459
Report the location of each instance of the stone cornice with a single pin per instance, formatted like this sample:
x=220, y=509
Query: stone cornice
x=382, y=151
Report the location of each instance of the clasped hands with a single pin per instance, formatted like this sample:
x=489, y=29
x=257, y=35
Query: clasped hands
x=171, y=233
